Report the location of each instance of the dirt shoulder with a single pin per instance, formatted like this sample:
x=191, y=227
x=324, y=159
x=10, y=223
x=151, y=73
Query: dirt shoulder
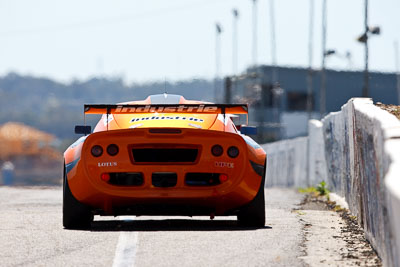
x=332, y=235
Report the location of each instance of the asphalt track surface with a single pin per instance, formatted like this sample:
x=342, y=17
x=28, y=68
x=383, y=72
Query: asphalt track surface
x=31, y=234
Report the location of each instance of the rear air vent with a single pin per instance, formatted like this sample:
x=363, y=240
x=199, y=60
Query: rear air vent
x=164, y=179
x=164, y=155
x=126, y=178
x=202, y=179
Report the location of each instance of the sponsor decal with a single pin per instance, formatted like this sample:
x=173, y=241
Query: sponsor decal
x=107, y=164
x=107, y=119
x=71, y=165
x=221, y=164
x=79, y=141
x=195, y=125
x=250, y=142
x=180, y=108
x=190, y=119
x=226, y=119
x=135, y=126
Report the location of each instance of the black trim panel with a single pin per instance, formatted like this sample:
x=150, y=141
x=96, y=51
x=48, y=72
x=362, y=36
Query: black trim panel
x=259, y=169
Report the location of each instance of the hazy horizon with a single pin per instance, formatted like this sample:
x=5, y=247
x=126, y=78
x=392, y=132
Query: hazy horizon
x=175, y=40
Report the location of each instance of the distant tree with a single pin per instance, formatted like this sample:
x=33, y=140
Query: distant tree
x=55, y=107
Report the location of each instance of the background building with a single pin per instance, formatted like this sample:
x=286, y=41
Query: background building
x=278, y=96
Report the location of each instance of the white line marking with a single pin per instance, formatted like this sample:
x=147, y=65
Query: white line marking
x=125, y=252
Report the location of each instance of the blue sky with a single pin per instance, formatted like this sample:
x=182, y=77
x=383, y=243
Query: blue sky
x=156, y=39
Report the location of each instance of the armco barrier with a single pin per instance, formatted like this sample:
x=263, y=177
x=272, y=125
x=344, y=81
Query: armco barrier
x=357, y=152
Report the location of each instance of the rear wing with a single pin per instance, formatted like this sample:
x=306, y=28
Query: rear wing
x=162, y=108
x=166, y=108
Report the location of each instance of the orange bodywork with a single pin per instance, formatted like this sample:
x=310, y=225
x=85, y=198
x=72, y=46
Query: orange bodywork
x=165, y=144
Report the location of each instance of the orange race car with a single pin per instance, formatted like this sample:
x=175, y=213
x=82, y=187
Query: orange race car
x=164, y=156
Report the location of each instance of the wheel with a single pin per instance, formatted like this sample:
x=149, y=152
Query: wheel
x=75, y=214
x=253, y=214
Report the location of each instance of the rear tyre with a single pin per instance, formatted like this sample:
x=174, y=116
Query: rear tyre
x=253, y=214
x=75, y=214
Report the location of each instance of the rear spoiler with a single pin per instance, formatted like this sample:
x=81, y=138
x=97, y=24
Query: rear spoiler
x=166, y=108
x=160, y=108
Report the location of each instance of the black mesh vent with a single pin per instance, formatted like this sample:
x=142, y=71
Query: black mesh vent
x=202, y=179
x=164, y=179
x=126, y=178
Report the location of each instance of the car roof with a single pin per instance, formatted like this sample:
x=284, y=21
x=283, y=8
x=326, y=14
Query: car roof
x=165, y=99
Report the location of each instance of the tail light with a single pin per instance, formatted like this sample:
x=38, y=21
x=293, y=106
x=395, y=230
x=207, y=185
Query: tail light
x=233, y=152
x=223, y=177
x=112, y=150
x=97, y=151
x=217, y=150
x=105, y=177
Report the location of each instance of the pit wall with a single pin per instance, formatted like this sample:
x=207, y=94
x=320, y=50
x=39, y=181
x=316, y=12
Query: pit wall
x=357, y=152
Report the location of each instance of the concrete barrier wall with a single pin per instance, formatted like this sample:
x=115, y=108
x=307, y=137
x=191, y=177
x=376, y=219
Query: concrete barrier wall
x=355, y=151
x=286, y=162
x=369, y=198
x=316, y=154
x=392, y=183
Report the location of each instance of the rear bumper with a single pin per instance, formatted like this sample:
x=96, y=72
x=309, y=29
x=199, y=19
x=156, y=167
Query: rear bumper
x=242, y=185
